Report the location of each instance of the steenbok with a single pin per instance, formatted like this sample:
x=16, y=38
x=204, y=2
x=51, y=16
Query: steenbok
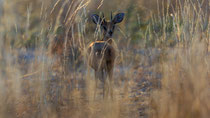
x=102, y=53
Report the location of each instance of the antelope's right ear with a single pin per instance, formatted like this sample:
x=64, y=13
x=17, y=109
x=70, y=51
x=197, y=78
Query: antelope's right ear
x=96, y=19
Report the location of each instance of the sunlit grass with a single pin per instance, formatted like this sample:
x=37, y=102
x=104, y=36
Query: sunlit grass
x=162, y=69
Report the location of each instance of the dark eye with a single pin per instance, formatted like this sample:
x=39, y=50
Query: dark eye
x=104, y=28
x=113, y=27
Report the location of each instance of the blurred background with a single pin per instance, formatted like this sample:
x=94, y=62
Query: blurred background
x=162, y=69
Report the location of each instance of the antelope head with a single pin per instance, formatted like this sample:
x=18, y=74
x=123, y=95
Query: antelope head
x=107, y=26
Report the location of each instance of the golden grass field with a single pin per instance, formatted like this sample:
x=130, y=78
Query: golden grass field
x=162, y=69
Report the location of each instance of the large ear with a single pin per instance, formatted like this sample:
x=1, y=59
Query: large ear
x=118, y=18
x=96, y=19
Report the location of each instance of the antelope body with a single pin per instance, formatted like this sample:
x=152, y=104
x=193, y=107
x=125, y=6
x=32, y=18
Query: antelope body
x=102, y=53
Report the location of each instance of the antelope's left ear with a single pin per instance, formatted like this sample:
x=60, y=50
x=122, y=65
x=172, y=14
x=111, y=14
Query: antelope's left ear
x=118, y=18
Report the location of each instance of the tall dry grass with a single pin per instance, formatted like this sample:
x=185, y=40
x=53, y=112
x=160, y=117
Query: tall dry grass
x=162, y=69
x=184, y=91
x=185, y=85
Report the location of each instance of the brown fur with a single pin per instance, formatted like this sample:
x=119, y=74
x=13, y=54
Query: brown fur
x=102, y=53
x=102, y=56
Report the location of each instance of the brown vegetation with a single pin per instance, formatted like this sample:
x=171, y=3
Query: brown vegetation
x=162, y=68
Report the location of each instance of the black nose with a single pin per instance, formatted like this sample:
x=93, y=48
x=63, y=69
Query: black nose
x=110, y=32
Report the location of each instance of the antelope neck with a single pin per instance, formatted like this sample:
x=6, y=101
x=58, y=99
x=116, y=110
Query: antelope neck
x=106, y=39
